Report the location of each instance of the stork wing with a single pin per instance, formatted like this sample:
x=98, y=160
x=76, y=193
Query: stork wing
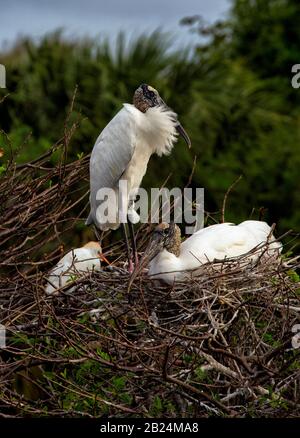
x=111, y=155
x=225, y=241
x=215, y=242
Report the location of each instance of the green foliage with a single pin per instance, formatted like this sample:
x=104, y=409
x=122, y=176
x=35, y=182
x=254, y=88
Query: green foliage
x=266, y=35
x=157, y=407
x=293, y=276
x=269, y=339
x=201, y=374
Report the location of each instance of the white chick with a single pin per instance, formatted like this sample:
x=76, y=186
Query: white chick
x=73, y=264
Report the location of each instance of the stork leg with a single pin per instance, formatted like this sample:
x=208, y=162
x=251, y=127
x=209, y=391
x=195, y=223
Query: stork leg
x=130, y=264
x=98, y=235
x=133, y=242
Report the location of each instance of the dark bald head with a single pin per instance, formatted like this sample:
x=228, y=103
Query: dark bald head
x=168, y=236
x=146, y=97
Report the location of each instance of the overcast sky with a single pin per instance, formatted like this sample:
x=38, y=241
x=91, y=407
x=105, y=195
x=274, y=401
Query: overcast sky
x=93, y=17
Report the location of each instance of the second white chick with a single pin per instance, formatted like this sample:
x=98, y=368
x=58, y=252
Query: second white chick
x=74, y=263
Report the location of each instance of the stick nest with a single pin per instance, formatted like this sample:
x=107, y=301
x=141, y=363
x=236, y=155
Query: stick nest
x=220, y=344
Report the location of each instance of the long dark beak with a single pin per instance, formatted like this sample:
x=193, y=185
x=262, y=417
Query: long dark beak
x=179, y=128
x=181, y=131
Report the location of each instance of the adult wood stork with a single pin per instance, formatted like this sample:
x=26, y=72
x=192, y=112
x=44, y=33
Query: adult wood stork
x=170, y=259
x=122, y=152
x=74, y=263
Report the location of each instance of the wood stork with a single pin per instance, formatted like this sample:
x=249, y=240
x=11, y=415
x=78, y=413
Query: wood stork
x=122, y=152
x=74, y=263
x=170, y=259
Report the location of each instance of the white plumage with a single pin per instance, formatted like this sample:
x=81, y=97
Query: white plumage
x=120, y=158
x=215, y=242
x=122, y=152
x=73, y=264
